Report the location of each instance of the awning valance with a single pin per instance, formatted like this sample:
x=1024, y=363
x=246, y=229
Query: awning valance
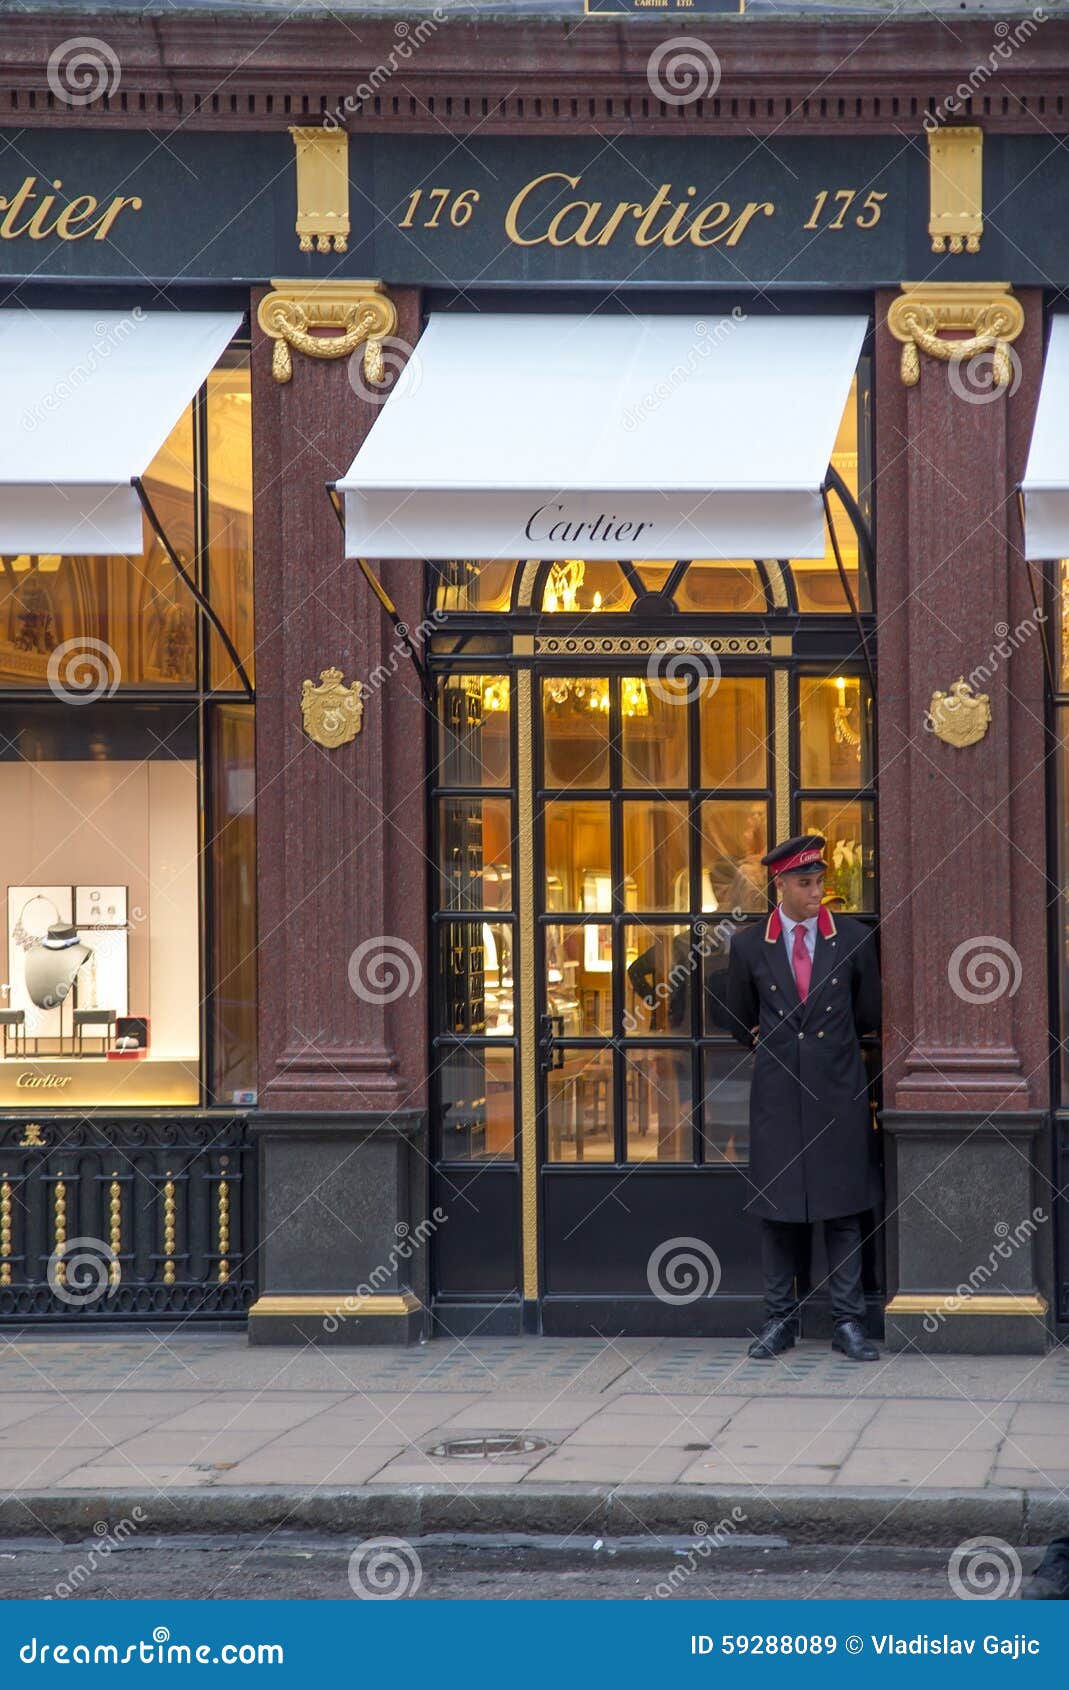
x=87, y=398
x=1046, y=477
x=605, y=437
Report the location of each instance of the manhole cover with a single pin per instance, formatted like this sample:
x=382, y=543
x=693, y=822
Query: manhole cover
x=499, y=1447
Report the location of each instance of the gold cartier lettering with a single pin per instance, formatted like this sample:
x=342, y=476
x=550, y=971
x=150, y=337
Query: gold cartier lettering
x=83, y=215
x=35, y=1082
x=663, y=220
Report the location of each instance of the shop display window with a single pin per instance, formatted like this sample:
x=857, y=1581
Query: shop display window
x=127, y=781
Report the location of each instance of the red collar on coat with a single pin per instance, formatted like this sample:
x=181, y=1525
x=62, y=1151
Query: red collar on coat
x=825, y=925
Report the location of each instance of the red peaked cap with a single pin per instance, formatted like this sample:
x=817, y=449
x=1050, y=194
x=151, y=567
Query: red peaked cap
x=799, y=855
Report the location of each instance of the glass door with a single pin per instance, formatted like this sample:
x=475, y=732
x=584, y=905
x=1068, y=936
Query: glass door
x=653, y=814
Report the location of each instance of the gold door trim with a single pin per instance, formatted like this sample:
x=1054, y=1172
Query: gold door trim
x=932, y=1302
x=526, y=980
x=781, y=752
x=650, y=646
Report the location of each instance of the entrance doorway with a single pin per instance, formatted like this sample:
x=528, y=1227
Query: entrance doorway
x=618, y=744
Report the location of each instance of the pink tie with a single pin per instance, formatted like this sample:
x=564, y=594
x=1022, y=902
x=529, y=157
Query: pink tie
x=803, y=966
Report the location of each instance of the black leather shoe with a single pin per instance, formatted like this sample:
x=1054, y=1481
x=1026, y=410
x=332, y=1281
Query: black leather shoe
x=774, y=1337
x=850, y=1341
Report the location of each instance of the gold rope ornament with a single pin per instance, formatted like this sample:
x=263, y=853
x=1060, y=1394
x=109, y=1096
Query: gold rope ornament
x=986, y=313
x=327, y=320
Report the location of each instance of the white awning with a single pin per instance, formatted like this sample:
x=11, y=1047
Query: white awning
x=1046, y=477
x=87, y=398
x=605, y=437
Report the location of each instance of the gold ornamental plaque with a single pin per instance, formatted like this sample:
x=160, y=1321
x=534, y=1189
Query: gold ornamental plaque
x=961, y=716
x=333, y=714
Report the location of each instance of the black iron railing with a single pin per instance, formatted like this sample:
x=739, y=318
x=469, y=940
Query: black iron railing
x=146, y=1216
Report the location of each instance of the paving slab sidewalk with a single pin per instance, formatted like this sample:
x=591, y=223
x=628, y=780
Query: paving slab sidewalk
x=201, y=1432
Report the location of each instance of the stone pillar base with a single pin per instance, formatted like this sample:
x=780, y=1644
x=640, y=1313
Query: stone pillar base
x=346, y=1236
x=969, y=1233
x=352, y=1319
x=967, y=1326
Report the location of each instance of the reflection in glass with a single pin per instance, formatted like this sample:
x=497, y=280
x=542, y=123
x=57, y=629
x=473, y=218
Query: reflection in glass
x=578, y=983
x=475, y=731
x=850, y=831
x=719, y=588
x=475, y=853
x=658, y=1105
x=467, y=584
x=728, y=1071
x=475, y=984
x=835, y=729
x=232, y=1000
x=734, y=729
x=579, y=1107
x=654, y=719
x=661, y=963
x=229, y=457
x=818, y=584
x=578, y=861
x=656, y=854
x=575, y=715
x=734, y=839
x=137, y=606
x=476, y=1089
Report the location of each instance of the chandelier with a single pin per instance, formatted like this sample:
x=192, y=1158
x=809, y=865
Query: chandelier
x=845, y=731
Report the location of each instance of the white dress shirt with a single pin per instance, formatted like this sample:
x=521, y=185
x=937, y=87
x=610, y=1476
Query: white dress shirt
x=789, y=926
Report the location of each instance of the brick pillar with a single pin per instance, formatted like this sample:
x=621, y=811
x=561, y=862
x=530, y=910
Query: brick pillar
x=962, y=853
x=341, y=881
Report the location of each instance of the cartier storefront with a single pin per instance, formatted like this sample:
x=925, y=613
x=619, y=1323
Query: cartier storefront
x=439, y=556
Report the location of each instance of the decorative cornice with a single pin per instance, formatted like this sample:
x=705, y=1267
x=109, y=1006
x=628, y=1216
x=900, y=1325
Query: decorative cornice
x=536, y=75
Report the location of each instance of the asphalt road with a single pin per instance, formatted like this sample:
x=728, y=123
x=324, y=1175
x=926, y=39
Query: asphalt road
x=310, y=1570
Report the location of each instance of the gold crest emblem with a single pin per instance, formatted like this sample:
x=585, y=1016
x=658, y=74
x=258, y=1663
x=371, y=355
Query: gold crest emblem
x=333, y=713
x=960, y=716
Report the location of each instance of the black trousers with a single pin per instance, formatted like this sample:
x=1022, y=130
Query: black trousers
x=780, y=1263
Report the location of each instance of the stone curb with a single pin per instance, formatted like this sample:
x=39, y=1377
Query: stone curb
x=803, y=1515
